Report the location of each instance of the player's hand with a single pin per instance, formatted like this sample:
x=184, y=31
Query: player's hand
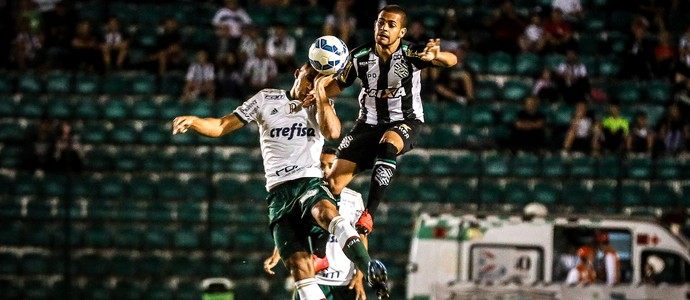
x=309, y=100
x=358, y=285
x=365, y=224
x=182, y=124
x=433, y=47
x=271, y=262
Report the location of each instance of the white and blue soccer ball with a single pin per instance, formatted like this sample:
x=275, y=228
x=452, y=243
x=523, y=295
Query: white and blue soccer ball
x=328, y=54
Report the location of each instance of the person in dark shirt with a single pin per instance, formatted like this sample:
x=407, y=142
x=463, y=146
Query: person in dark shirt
x=641, y=137
x=529, y=129
x=614, y=130
x=456, y=84
x=58, y=26
x=169, y=53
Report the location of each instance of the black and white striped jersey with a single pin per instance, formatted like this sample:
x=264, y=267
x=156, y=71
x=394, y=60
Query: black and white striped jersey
x=390, y=89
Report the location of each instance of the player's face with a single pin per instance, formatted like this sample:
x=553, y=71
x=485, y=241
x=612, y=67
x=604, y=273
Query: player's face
x=327, y=162
x=388, y=29
x=304, y=81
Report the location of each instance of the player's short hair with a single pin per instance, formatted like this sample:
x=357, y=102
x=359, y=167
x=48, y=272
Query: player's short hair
x=396, y=9
x=328, y=150
x=311, y=72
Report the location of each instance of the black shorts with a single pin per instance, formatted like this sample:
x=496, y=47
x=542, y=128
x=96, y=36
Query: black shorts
x=360, y=145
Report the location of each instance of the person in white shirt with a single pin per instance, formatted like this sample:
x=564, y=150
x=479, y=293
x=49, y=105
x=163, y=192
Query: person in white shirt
x=336, y=275
x=281, y=47
x=200, y=78
x=572, y=78
x=260, y=70
x=114, y=44
x=533, y=39
x=228, y=22
x=572, y=9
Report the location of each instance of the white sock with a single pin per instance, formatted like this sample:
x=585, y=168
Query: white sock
x=307, y=289
x=342, y=230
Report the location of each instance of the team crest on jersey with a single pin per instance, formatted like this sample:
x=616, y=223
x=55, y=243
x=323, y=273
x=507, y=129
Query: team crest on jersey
x=293, y=106
x=401, y=70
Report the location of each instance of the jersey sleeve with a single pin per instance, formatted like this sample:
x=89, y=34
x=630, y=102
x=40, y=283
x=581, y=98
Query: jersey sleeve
x=347, y=75
x=249, y=110
x=413, y=57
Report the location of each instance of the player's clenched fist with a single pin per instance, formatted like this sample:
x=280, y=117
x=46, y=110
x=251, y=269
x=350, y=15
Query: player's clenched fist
x=182, y=124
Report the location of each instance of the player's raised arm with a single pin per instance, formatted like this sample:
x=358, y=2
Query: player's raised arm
x=211, y=127
x=432, y=52
x=329, y=124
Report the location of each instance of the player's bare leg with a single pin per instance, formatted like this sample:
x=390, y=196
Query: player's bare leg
x=340, y=175
x=302, y=272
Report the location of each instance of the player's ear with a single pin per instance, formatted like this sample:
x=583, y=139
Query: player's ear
x=402, y=32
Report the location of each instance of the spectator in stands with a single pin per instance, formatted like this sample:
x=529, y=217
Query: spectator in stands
x=664, y=57
x=281, y=47
x=228, y=22
x=580, y=136
x=260, y=71
x=169, y=53
x=607, y=264
x=639, y=53
x=672, y=133
x=341, y=22
x=682, y=73
x=529, y=129
x=572, y=79
x=533, y=39
x=416, y=32
x=27, y=46
x=115, y=44
x=456, y=84
x=200, y=78
x=614, y=131
x=682, y=99
x=505, y=26
x=572, y=9
x=230, y=78
x=67, y=150
x=583, y=273
x=58, y=26
x=249, y=41
x=86, y=50
x=559, y=33
x=40, y=147
x=545, y=87
x=641, y=137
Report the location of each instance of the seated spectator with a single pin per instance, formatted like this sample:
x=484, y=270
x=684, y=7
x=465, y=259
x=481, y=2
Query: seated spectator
x=572, y=9
x=281, y=47
x=583, y=273
x=533, y=39
x=614, y=131
x=672, y=133
x=341, y=22
x=260, y=71
x=682, y=68
x=682, y=99
x=67, y=150
x=572, y=79
x=26, y=45
x=39, y=147
x=641, y=137
x=545, y=87
x=228, y=22
x=58, y=25
x=529, y=129
x=200, y=78
x=86, y=49
x=505, y=27
x=664, y=57
x=114, y=44
x=559, y=33
x=230, y=79
x=638, y=56
x=456, y=84
x=249, y=41
x=168, y=54
x=581, y=133
x=416, y=33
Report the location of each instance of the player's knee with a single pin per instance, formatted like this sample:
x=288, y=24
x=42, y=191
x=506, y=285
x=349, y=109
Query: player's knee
x=300, y=265
x=324, y=212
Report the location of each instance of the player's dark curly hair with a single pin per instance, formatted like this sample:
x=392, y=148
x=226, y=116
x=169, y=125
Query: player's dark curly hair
x=312, y=72
x=396, y=9
x=328, y=150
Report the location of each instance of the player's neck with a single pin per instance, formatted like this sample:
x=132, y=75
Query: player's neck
x=385, y=52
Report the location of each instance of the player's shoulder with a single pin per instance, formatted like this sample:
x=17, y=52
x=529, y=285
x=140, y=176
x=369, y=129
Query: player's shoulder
x=363, y=50
x=271, y=94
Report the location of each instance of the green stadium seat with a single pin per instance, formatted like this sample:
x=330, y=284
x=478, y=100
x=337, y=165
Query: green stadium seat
x=35, y=264
x=114, y=187
x=147, y=38
x=170, y=110
x=499, y=63
x=582, y=167
x=627, y=92
x=413, y=164
x=59, y=108
x=527, y=64
x=589, y=43
x=11, y=207
x=577, y=195
x=220, y=212
x=453, y=114
x=142, y=187
x=153, y=161
x=92, y=265
x=189, y=211
x=248, y=290
x=187, y=238
x=117, y=109
x=123, y=134
x=150, y=14
x=639, y=168
x=482, y=115
x=220, y=236
x=58, y=82
x=432, y=113
x=130, y=211
x=525, y=165
x=609, y=67
x=659, y=91
x=145, y=109
x=12, y=234
x=604, y=196
x=486, y=91
x=466, y=165
x=431, y=190
x=186, y=266
x=243, y=240
x=6, y=83
x=662, y=195
x=633, y=194
x=127, y=161
x=440, y=164
x=9, y=263
x=87, y=84
x=229, y=189
x=400, y=217
x=402, y=190
x=188, y=290
x=668, y=168
x=12, y=133
x=96, y=289
x=609, y=167
x=54, y=185
x=563, y=114
x=128, y=289
x=155, y=134
x=591, y=64
x=158, y=291
x=87, y=109
x=172, y=84
x=517, y=193
x=476, y=61
x=129, y=237
x=242, y=162
x=171, y=188
x=26, y=185
x=7, y=106
x=31, y=107
x=398, y=242
x=30, y=83
x=143, y=84
x=515, y=91
x=38, y=236
x=620, y=20
x=115, y=84
x=156, y=237
x=552, y=61
x=256, y=189
x=546, y=193
x=36, y=289
x=496, y=166
x=100, y=209
x=97, y=237
x=83, y=186
x=199, y=188
x=182, y=161
x=490, y=193
x=460, y=192
x=39, y=209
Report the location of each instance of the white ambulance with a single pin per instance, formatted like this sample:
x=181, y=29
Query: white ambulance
x=514, y=257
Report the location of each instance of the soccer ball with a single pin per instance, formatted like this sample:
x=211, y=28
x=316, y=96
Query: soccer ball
x=328, y=54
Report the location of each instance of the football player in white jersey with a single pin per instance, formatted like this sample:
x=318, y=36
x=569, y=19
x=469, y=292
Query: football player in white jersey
x=299, y=202
x=335, y=273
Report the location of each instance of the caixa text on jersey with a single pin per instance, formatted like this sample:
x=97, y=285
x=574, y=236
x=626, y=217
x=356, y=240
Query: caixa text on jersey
x=386, y=93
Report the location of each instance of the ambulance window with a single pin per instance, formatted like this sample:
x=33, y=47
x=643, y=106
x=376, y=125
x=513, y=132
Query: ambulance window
x=663, y=267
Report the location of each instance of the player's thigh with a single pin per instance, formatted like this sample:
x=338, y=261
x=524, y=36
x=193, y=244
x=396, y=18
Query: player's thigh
x=341, y=174
x=318, y=205
x=289, y=238
x=359, y=146
x=403, y=135
x=341, y=293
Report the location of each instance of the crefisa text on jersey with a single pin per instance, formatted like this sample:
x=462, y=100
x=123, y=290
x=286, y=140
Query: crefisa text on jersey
x=297, y=129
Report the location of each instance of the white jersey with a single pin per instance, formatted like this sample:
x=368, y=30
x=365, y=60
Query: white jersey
x=290, y=138
x=340, y=269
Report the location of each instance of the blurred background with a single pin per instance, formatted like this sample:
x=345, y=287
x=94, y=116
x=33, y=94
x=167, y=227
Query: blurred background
x=581, y=105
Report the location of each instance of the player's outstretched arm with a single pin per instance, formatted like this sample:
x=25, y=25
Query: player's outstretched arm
x=432, y=52
x=329, y=124
x=211, y=127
